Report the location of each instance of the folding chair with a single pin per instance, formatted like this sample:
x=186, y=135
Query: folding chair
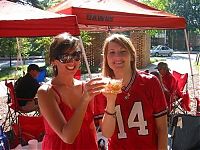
x=181, y=79
x=186, y=131
x=42, y=75
x=181, y=103
x=198, y=106
x=13, y=109
x=28, y=128
x=178, y=105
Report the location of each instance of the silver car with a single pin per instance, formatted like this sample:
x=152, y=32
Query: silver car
x=161, y=50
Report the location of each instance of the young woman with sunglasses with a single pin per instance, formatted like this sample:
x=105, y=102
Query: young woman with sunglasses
x=65, y=102
x=137, y=118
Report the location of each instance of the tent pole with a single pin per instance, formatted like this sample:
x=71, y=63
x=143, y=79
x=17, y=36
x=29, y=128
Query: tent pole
x=19, y=57
x=187, y=45
x=85, y=58
x=109, y=30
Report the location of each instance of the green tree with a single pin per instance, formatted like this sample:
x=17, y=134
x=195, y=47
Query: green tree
x=160, y=5
x=49, y=3
x=7, y=47
x=43, y=45
x=42, y=4
x=86, y=38
x=190, y=10
x=24, y=47
x=34, y=3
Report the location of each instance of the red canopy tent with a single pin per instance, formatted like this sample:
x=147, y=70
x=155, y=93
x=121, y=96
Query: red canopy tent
x=98, y=15
x=26, y=21
x=106, y=15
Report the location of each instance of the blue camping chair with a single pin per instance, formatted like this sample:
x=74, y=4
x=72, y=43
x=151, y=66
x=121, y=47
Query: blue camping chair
x=42, y=75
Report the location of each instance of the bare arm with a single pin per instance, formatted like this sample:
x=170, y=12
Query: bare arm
x=66, y=130
x=51, y=112
x=162, y=130
x=109, y=120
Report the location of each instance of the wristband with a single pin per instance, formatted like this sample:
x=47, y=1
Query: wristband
x=111, y=114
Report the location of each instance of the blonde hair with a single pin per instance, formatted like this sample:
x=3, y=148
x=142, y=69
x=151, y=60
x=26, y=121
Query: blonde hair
x=123, y=41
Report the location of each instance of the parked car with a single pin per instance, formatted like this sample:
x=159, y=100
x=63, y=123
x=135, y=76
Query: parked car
x=161, y=50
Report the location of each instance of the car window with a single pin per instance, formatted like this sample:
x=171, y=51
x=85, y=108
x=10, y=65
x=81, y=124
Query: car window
x=161, y=48
x=156, y=47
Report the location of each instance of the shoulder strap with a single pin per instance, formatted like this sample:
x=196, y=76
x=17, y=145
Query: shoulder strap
x=82, y=87
x=55, y=90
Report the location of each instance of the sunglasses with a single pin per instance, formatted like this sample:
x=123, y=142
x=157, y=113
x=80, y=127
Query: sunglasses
x=66, y=58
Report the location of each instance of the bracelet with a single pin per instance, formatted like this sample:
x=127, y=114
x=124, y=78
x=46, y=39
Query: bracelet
x=111, y=114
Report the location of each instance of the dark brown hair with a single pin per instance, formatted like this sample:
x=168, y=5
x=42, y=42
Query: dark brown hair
x=63, y=43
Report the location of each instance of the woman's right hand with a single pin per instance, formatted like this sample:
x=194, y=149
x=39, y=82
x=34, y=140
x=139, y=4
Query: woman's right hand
x=110, y=96
x=92, y=88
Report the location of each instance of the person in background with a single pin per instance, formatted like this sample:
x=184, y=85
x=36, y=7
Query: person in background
x=67, y=103
x=157, y=74
x=26, y=88
x=137, y=118
x=166, y=92
x=169, y=82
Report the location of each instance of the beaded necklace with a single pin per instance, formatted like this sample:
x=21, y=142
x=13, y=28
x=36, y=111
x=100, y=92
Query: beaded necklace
x=125, y=89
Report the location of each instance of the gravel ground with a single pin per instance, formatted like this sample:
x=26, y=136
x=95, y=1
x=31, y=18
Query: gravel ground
x=194, y=92
x=3, y=108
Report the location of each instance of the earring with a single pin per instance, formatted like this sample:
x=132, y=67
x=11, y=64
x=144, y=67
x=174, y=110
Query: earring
x=55, y=70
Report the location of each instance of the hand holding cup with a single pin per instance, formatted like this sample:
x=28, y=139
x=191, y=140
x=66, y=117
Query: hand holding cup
x=113, y=86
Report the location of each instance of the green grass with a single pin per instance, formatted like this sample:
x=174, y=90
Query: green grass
x=12, y=72
x=156, y=59
x=197, y=66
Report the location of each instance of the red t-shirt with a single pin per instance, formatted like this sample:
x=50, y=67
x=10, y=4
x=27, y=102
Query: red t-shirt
x=135, y=127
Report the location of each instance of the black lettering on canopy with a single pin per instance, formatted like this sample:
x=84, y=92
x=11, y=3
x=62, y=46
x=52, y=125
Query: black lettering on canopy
x=99, y=17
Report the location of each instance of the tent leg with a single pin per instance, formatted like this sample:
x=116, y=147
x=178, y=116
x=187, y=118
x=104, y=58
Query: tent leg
x=19, y=58
x=187, y=45
x=85, y=58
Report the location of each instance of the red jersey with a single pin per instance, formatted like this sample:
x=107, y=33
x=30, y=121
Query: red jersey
x=137, y=107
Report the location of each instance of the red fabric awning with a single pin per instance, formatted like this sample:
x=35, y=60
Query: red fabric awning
x=118, y=14
x=18, y=20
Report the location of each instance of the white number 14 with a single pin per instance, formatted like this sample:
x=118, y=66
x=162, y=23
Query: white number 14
x=140, y=123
